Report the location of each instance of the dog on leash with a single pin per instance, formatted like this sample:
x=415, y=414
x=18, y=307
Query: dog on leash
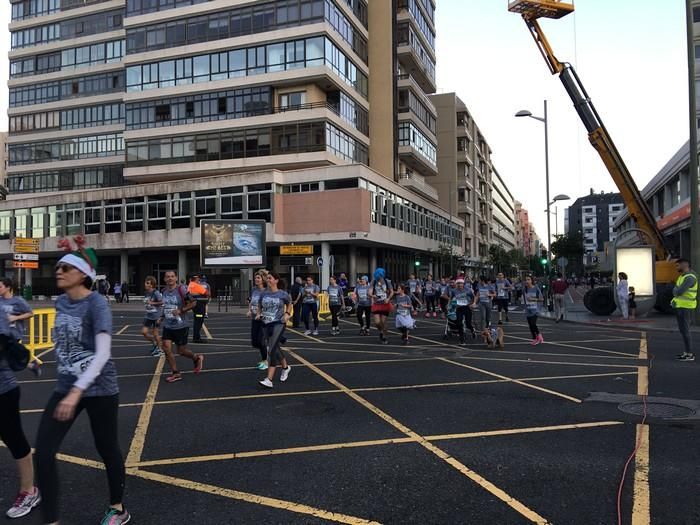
x=493, y=337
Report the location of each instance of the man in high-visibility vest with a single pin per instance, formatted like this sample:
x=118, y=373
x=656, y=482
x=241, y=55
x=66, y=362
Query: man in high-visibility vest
x=684, y=302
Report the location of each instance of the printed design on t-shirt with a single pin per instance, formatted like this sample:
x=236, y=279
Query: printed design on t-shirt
x=380, y=291
x=171, y=303
x=271, y=308
x=71, y=358
x=404, y=305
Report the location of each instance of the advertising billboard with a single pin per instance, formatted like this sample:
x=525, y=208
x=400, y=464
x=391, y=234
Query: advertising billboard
x=232, y=243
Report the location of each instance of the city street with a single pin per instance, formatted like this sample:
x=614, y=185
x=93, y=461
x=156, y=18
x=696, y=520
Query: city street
x=430, y=433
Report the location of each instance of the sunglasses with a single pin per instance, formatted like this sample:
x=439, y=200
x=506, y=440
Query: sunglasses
x=65, y=268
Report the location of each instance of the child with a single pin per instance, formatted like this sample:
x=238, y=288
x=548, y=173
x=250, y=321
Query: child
x=404, y=313
x=632, y=303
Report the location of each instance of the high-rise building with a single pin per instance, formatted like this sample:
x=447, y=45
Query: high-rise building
x=133, y=121
x=503, y=213
x=593, y=216
x=522, y=229
x=3, y=165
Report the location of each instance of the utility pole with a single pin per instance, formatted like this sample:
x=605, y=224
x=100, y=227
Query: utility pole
x=693, y=148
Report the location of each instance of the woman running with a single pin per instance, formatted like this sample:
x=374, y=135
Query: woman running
x=87, y=380
x=153, y=302
x=13, y=312
x=404, y=313
x=532, y=296
x=257, y=333
x=430, y=290
x=363, y=301
x=381, y=293
x=274, y=310
x=465, y=300
x=444, y=292
x=310, y=305
x=336, y=301
x=485, y=293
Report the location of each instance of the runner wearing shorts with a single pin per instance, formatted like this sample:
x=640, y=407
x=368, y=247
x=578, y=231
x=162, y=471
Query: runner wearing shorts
x=153, y=302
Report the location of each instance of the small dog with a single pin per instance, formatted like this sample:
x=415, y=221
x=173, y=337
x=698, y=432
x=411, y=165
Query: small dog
x=493, y=337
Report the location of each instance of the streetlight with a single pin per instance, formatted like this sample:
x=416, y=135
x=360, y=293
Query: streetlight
x=526, y=113
x=560, y=197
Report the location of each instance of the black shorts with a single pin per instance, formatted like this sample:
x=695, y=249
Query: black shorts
x=150, y=323
x=178, y=336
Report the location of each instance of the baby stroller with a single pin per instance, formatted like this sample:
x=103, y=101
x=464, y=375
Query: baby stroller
x=451, y=325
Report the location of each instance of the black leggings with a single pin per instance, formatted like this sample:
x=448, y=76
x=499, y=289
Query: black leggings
x=274, y=334
x=464, y=316
x=103, y=414
x=335, y=310
x=443, y=305
x=532, y=323
x=257, y=338
x=430, y=303
x=365, y=311
x=11, y=431
x=310, y=308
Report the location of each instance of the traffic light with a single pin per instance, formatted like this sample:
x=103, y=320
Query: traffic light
x=544, y=261
x=417, y=263
x=543, y=255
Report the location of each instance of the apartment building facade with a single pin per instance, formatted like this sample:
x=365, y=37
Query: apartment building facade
x=143, y=117
x=503, y=214
x=594, y=217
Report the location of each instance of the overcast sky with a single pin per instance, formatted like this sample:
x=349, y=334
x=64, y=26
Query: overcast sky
x=630, y=55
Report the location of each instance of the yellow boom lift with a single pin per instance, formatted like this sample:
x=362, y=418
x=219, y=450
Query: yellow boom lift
x=601, y=302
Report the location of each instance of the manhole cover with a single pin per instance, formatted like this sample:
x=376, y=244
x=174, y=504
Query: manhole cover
x=662, y=410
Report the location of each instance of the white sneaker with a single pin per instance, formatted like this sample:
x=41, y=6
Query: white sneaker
x=315, y=332
x=285, y=373
x=307, y=332
x=266, y=383
x=24, y=503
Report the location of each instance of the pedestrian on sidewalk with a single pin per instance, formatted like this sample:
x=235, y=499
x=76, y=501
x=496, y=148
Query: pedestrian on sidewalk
x=125, y=292
x=274, y=310
x=404, y=313
x=684, y=302
x=632, y=303
x=336, y=301
x=11, y=431
x=559, y=288
x=117, y=292
x=363, y=304
x=257, y=333
x=153, y=304
x=532, y=296
x=177, y=301
x=86, y=380
x=309, y=303
x=623, y=294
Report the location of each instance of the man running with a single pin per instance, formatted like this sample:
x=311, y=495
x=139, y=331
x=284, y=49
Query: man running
x=177, y=301
x=503, y=288
x=684, y=303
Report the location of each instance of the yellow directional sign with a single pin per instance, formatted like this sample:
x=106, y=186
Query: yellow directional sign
x=28, y=248
x=297, y=249
x=19, y=241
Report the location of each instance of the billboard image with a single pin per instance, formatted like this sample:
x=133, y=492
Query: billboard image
x=231, y=243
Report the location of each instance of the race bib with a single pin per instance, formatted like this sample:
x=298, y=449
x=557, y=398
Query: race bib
x=169, y=311
x=462, y=301
x=362, y=293
x=404, y=311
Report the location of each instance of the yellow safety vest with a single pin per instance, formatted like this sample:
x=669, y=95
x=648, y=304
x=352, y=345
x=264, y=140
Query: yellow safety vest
x=689, y=298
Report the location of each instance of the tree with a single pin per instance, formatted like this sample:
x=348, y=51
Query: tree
x=570, y=246
x=498, y=258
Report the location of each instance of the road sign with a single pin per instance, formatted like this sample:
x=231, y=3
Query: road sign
x=25, y=256
x=31, y=265
x=297, y=249
x=319, y=262
x=24, y=240
x=26, y=248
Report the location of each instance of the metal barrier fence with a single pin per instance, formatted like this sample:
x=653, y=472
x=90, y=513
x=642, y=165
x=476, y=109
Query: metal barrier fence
x=40, y=332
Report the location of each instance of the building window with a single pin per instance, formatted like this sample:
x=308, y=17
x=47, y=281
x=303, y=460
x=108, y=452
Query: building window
x=64, y=89
x=157, y=207
x=292, y=100
x=409, y=135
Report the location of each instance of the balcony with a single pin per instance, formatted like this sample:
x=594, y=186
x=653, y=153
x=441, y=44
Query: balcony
x=417, y=183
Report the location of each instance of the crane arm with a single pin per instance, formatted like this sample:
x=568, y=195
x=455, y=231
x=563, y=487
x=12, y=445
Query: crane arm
x=597, y=133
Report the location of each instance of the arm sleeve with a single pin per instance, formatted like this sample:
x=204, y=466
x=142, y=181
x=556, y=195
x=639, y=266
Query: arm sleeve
x=23, y=307
x=103, y=353
x=689, y=281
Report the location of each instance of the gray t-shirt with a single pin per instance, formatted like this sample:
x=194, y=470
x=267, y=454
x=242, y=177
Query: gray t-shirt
x=255, y=299
x=362, y=291
x=463, y=297
x=381, y=290
x=175, y=299
x=532, y=297
x=308, y=290
x=153, y=313
x=272, y=306
x=7, y=376
x=335, y=295
x=413, y=285
x=430, y=287
x=404, y=305
x=14, y=306
x=77, y=324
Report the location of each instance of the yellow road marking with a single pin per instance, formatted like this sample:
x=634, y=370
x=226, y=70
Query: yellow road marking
x=642, y=381
x=139, y=439
x=120, y=332
x=641, y=513
x=482, y=482
x=251, y=498
x=643, y=354
x=517, y=381
x=207, y=332
x=370, y=443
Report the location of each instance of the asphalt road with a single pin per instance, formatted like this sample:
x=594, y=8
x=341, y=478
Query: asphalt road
x=431, y=433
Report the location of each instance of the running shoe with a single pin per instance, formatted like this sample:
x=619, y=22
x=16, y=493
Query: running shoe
x=686, y=357
x=434, y=315
x=174, y=377
x=315, y=332
x=156, y=352
x=540, y=339
x=427, y=314
x=285, y=373
x=262, y=365
x=114, y=517
x=307, y=332
x=266, y=383
x=405, y=342
x=35, y=368
x=24, y=503
x=198, y=363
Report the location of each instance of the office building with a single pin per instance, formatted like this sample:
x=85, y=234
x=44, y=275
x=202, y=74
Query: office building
x=133, y=121
x=503, y=213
